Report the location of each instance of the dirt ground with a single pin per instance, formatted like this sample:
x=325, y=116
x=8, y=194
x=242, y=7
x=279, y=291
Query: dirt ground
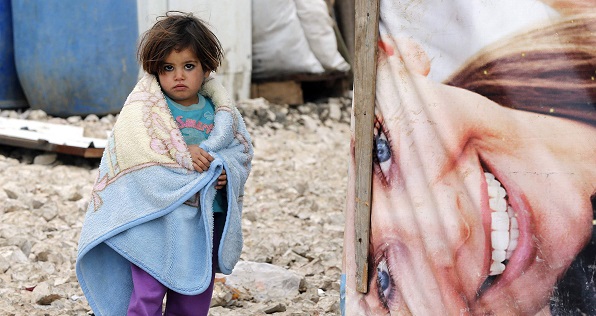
x=293, y=212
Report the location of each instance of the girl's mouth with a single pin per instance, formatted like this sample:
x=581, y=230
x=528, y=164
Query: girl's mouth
x=504, y=227
x=507, y=222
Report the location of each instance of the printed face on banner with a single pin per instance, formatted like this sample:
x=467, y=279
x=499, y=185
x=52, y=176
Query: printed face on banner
x=483, y=182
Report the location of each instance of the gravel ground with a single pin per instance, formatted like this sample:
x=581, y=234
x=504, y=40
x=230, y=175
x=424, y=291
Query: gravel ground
x=293, y=212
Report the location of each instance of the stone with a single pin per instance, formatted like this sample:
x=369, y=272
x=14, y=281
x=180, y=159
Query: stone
x=329, y=305
x=74, y=119
x=42, y=294
x=17, y=256
x=12, y=205
x=37, y=115
x=38, y=201
x=74, y=194
x=308, y=122
x=4, y=264
x=335, y=111
x=23, y=244
x=265, y=282
x=277, y=308
x=91, y=118
x=48, y=212
x=12, y=190
x=45, y=159
x=304, y=109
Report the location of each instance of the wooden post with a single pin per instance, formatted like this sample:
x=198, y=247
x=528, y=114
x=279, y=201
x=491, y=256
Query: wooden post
x=365, y=72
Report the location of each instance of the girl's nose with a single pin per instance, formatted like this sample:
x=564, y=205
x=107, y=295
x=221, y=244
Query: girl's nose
x=178, y=75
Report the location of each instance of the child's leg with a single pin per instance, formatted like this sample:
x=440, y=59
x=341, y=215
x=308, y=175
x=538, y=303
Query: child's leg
x=178, y=304
x=147, y=294
x=181, y=305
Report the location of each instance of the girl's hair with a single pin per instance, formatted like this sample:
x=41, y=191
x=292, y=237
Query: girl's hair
x=550, y=70
x=178, y=31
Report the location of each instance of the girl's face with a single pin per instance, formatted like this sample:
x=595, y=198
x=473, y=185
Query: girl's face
x=182, y=76
x=476, y=208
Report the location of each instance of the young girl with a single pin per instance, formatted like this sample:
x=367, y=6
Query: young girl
x=165, y=209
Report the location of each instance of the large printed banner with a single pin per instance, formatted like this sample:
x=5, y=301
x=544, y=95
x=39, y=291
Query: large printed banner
x=484, y=173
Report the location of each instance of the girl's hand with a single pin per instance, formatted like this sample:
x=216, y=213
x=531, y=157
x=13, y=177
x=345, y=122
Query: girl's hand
x=201, y=160
x=222, y=180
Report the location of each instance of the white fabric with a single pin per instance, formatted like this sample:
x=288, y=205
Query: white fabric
x=318, y=28
x=279, y=45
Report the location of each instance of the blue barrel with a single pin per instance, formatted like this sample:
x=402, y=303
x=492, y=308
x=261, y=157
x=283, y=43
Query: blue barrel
x=11, y=94
x=76, y=57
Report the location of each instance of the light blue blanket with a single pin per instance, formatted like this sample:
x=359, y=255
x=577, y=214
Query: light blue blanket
x=138, y=212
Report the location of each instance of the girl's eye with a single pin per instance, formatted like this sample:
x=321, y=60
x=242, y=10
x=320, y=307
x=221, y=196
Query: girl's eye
x=382, y=149
x=384, y=282
x=168, y=67
x=382, y=152
x=189, y=66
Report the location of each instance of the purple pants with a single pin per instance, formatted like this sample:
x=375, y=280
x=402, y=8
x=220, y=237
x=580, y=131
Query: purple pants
x=148, y=293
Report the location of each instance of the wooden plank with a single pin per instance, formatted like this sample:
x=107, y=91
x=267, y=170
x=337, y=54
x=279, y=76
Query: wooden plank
x=328, y=75
x=278, y=92
x=365, y=73
x=57, y=138
x=78, y=151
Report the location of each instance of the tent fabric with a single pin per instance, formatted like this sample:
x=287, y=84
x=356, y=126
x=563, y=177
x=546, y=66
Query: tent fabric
x=484, y=161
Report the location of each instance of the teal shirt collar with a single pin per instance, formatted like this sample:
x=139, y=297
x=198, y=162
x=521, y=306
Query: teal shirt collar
x=192, y=107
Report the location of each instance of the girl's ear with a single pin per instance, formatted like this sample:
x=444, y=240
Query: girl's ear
x=207, y=74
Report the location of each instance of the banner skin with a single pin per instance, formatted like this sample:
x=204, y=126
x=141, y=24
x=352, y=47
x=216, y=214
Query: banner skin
x=484, y=161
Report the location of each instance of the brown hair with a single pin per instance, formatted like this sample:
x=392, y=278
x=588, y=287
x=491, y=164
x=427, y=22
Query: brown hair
x=178, y=31
x=550, y=70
